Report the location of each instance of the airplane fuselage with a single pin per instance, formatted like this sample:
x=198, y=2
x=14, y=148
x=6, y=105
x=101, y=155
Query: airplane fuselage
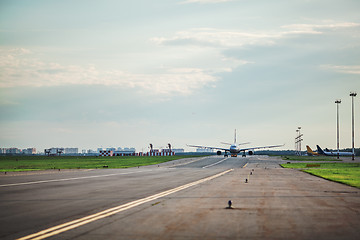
x=329, y=153
x=336, y=153
x=234, y=149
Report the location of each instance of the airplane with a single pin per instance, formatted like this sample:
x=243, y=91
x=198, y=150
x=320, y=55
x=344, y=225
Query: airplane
x=311, y=152
x=327, y=152
x=234, y=149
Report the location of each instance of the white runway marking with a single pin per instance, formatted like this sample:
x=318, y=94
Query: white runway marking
x=69, y=179
x=181, y=164
x=91, y=218
x=215, y=163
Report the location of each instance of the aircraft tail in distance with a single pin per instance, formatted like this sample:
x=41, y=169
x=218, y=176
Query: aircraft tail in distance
x=320, y=151
x=310, y=151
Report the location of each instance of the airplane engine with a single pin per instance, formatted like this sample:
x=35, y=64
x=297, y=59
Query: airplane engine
x=251, y=153
x=218, y=153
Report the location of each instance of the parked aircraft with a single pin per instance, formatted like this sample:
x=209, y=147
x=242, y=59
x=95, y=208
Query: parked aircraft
x=234, y=149
x=327, y=152
x=311, y=152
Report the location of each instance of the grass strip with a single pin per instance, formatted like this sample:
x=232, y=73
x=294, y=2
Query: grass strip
x=33, y=163
x=347, y=173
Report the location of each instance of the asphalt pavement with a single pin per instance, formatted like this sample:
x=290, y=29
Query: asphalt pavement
x=183, y=199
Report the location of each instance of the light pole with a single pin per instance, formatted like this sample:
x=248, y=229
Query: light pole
x=352, y=95
x=338, y=101
x=298, y=142
x=300, y=135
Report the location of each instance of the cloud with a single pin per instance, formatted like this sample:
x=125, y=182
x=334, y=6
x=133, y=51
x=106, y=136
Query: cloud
x=317, y=28
x=19, y=68
x=349, y=69
x=210, y=37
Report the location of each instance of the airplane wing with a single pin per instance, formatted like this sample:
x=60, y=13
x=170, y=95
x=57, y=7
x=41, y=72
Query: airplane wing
x=224, y=149
x=237, y=144
x=253, y=148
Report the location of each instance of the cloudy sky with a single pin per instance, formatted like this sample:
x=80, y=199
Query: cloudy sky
x=111, y=73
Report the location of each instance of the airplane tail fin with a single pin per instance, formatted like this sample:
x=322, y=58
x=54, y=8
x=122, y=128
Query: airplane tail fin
x=320, y=150
x=235, y=137
x=310, y=151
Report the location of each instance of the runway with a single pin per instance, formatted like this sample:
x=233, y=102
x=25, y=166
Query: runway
x=183, y=199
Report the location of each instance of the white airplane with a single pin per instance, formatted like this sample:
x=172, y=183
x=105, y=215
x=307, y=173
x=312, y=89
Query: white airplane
x=235, y=149
x=327, y=152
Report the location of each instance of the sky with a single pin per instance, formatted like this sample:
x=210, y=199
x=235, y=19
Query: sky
x=111, y=73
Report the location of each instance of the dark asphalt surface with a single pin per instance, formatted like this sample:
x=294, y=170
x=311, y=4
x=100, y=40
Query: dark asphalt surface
x=68, y=195
x=276, y=203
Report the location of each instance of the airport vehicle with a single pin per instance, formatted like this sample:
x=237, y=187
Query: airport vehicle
x=310, y=152
x=235, y=149
x=327, y=152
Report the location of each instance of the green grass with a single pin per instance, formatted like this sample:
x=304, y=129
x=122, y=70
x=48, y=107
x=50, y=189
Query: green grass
x=309, y=158
x=32, y=163
x=347, y=173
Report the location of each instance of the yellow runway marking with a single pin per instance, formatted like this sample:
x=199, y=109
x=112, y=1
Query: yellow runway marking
x=106, y=213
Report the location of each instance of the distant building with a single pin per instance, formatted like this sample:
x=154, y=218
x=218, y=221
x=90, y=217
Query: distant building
x=178, y=150
x=124, y=152
x=29, y=151
x=117, y=152
x=204, y=150
x=53, y=151
x=71, y=151
x=129, y=149
x=106, y=153
x=92, y=151
x=13, y=151
x=166, y=150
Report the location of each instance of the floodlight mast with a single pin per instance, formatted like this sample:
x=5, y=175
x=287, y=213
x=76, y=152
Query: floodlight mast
x=298, y=140
x=300, y=135
x=338, y=101
x=352, y=95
